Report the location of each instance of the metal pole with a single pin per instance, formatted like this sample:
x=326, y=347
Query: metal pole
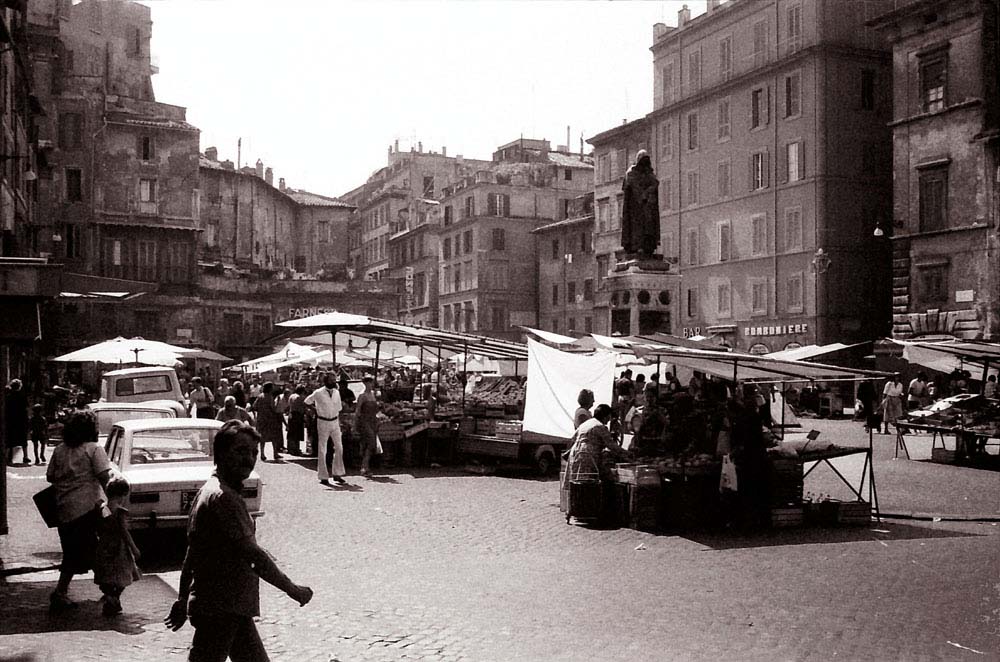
x=986, y=374
x=378, y=349
x=333, y=349
x=465, y=371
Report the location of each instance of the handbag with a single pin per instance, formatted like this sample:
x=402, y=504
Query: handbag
x=45, y=501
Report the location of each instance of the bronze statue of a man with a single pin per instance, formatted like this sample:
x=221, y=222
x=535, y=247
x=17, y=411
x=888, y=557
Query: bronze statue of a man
x=641, y=208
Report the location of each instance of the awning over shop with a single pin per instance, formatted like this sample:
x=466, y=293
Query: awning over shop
x=807, y=352
x=949, y=355
x=361, y=326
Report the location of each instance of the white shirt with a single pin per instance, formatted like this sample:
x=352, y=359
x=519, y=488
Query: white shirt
x=327, y=402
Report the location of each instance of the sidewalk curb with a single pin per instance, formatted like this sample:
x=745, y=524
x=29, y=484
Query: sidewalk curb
x=942, y=517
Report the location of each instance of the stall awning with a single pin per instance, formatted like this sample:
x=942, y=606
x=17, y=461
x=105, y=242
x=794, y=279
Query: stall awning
x=361, y=326
x=548, y=336
x=807, y=352
x=949, y=355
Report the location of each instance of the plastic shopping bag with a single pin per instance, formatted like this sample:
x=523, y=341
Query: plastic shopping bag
x=727, y=480
x=378, y=445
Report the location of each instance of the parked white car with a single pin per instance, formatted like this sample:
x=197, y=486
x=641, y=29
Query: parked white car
x=143, y=385
x=166, y=461
x=109, y=413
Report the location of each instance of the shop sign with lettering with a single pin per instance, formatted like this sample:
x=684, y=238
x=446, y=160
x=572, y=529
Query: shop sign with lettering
x=308, y=311
x=776, y=330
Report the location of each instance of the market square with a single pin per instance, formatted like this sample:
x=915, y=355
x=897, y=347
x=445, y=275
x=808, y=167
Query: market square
x=315, y=346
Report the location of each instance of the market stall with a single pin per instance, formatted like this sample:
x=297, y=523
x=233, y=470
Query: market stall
x=443, y=409
x=677, y=471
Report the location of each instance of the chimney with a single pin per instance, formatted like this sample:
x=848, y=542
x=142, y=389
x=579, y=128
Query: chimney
x=714, y=4
x=683, y=16
x=390, y=149
x=420, y=147
x=228, y=165
x=568, y=143
x=397, y=146
x=259, y=168
x=281, y=184
x=444, y=150
x=269, y=176
x=212, y=154
x=659, y=29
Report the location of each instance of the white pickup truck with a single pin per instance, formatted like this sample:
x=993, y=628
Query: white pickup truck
x=144, y=385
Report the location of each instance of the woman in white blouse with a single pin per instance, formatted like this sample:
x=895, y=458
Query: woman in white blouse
x=892, y=401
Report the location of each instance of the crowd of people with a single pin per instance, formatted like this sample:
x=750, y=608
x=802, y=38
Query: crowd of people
x=709, y=416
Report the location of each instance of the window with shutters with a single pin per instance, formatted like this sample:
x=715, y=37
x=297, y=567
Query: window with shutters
x=467, y=241
x=725, y=58
x=323, y=228
x=555, y=294
x=794, y=292
x=725, y=241
x=147, y=148
x=793, y=228
x=724, y=179
x=457, y=246
x=603, y=267
x=72, y=234
x=499, y=242
x=759, y=111
x=585, y=243
x=694, y=70
x=603, y=208
x=555, y=250
x=932, y=281
x=933, y=81
x=758, y=296
x=758, y=231
x=759, y=43
x=232, y=328
x=146, y=261
x=571, y=292
x=692, y=122
x=449, y=215
x=446, y=248
x=693, y=186
x=588, y=289
x=724, y=122
x=692, y=302
x=604, y=168
x=70, y=130
x=470, y=207
x=667, y=80
x=499, y=316
x=457, y=273
x=498, y=204
x=793, y=95
x=692, y=246
x=724, y=305
x=588, y=324
x=666, y=139
x=933, y=199
x=667, y=193
x=794, y=163
x=147, y=190
x=74, y=184
x=793, y=41
x=758, y=171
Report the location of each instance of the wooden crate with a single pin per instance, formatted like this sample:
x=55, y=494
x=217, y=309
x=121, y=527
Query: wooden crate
x=509, y=427
x=942, y=455
x=854, y=513
x=638, y=474
x=787, y=517
x=486, y=426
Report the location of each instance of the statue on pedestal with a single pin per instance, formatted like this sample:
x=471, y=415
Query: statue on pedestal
x=641, y=208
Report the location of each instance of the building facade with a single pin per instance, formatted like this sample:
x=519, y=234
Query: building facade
x=769, y=138
x=413, y=263
x=488, y=254
x=946, y=131
x=568, y=272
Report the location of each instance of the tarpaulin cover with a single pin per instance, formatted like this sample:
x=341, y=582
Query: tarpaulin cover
x=555, y=379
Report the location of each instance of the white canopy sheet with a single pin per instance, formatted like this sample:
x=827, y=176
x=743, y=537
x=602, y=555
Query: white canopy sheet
x=555, y=379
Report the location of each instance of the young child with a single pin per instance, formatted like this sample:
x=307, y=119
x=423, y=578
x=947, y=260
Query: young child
x=39, y=428
x=114, y=566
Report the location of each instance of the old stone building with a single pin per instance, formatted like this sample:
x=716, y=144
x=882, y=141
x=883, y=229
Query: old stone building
x=946, y=131
x=389, y=201
x=769, y=138
x=487, y=278
x=568, y=271
x=413, y=263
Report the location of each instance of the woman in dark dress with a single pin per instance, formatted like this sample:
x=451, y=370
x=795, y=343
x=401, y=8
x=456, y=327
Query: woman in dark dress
x=16, y=420
x=269, y=420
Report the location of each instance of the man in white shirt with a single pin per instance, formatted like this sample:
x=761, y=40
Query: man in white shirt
x=326, y=400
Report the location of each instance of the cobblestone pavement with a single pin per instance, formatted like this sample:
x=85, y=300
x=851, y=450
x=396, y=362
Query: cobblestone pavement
x=442, y=565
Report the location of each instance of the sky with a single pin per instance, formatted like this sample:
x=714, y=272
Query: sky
x=319, y=89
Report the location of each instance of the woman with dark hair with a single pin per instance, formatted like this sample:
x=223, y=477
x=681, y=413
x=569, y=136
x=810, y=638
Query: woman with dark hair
x=586, y=401
x=79, y=470
x=269, y=420
x=297, y=420
x=239, y=394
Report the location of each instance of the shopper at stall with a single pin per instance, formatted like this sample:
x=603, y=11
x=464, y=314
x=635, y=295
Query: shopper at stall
x=916, y=393
x=239, y=394
x=990, y=387
x=267, y=408
x=201, y=399
x=593, y=448
x=366, y=423
x=892, y=401
x=867, y=396
x=650, y=436
x=624, y=391
x=749, y=453
x=296, y=425
x=233, y=412
x=586, y=401
x=326, y=401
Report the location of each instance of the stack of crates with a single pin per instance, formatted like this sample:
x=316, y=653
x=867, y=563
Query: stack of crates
x=786, y=482
x=509, y=430
x=638, y=496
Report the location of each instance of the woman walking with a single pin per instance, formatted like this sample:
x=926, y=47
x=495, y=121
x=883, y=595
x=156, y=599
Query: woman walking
x=79, y=470
x=892, y=401
x=269, y=421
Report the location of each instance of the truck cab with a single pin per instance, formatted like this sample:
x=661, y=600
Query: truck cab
x=143, y=385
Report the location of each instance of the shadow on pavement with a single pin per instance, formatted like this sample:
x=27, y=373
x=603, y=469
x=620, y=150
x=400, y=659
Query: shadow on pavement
x=883, y=531
x=25, y=608
x=162, y=550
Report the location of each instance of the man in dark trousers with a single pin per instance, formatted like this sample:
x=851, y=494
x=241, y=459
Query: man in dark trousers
x=224, y=564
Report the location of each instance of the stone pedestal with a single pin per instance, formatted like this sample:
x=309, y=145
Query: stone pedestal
x=643, y=295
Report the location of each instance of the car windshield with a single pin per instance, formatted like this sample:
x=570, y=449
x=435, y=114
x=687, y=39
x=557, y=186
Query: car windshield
x=175, y=445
